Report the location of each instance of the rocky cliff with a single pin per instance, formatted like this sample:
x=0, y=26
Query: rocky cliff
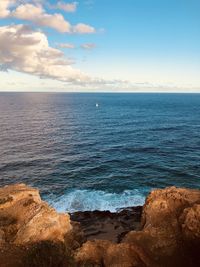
x=32, y=234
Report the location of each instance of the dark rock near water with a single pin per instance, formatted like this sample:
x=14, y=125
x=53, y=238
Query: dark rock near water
x=106, y=225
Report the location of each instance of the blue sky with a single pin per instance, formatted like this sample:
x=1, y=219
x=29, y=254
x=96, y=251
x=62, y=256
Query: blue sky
x=131, y=45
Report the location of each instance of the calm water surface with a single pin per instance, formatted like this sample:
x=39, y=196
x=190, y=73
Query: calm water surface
x=84, y=157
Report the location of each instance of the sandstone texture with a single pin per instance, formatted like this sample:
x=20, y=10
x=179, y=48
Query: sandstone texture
x=168, y=235
x=31, y=232
x=34, y=234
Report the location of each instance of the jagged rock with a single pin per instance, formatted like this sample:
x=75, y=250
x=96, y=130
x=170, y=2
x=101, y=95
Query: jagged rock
x=167, y=216
x=32, y=234
x=30, y=227
x=169, y=235
x=190, y=223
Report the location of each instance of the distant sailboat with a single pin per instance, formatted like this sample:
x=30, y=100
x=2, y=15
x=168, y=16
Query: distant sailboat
x=97, y=105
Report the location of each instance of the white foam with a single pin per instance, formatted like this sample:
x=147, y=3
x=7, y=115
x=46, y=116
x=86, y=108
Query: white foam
x=89, y=200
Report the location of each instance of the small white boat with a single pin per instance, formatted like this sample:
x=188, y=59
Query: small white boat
x=97, y=105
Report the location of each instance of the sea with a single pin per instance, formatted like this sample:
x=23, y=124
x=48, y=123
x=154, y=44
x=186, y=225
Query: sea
x=99, y=151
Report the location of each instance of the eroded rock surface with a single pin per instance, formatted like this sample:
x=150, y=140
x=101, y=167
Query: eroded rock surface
x=31, y=232
x=169, y=235
x=106, y=225
x=34, y=234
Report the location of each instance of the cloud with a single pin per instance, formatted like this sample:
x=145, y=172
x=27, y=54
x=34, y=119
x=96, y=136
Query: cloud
x=25, y=50
x=38, y=15
x=4, y=11
x=4, y=7
x=88, y=46
x=83, y=28
x=28, y=12
x=68, y=7
x=67, y=45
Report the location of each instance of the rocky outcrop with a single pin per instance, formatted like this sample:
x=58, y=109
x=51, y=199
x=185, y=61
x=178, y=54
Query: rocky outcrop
x=28, y=219
x=31, y=232
x=34, y=234
x=168, y=236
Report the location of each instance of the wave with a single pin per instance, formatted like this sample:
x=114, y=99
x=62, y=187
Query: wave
x=90, y=200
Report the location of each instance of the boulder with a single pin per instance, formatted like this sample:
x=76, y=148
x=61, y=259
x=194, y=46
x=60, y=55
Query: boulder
x=170, y=219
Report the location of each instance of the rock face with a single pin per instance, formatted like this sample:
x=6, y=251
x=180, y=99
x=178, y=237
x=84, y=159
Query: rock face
x=33, y=234
x=29, y=227
x=169, y=235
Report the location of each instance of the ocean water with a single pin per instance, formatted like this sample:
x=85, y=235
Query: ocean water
x=86, y=157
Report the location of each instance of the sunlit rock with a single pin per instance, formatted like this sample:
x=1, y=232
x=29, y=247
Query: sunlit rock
x=32, y=234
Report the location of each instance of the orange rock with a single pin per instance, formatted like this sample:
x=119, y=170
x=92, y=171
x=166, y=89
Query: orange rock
x=32, y=234
x=190, y=222
x=162, y=228
x=170, y=218
x=30, y=227
x=31, y=219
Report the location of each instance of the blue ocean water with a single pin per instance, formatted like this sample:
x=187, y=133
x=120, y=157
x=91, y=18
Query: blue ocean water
x=84, y=156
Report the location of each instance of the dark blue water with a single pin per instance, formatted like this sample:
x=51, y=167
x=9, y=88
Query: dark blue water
x=87, y=157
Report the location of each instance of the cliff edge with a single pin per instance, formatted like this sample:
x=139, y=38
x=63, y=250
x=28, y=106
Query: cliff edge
x=33, y=234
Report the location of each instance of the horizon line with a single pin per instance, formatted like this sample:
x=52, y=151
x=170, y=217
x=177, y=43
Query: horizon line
x=106, y=92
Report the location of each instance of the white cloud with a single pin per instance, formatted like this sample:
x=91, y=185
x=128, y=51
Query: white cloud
x=88, y=46
x=67, y=45
x=4, y=7
x=68, y=7
x=28, y=12
x=83, y=28
x=28, y=51
x=4, y=11
x=38, y=15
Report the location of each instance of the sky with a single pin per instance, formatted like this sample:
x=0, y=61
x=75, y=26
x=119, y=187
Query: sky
x=100, y=45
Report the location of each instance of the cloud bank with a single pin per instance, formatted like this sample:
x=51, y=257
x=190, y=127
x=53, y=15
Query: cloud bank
x=37, y=15
x=26, y=50
x=34, y=12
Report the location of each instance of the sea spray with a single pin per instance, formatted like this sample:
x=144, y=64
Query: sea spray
x=83, y=200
